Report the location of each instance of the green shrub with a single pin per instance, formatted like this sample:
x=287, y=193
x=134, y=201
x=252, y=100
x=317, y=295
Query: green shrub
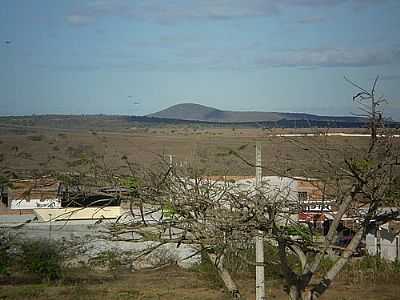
x=36, y=138
x=242, y=258
x=24, y=292
x=326, y=264
x=112, y=260
x=370, y=269
x=209, y=271
x=42, y=258
x=6, y=242
x=396, y=266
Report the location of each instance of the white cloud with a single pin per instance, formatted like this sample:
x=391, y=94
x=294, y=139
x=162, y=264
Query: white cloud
x=172, y=11
x=329, y=57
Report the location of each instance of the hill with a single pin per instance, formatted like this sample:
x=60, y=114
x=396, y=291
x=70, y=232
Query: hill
x=197, y=112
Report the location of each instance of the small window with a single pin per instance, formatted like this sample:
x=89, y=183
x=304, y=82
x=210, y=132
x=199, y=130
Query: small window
x=302, y=196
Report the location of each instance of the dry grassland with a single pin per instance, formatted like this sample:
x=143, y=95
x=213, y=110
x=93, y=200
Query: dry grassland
x=172, y=283
x=41, y=150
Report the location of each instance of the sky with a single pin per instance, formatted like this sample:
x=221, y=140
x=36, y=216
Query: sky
x=134, y=57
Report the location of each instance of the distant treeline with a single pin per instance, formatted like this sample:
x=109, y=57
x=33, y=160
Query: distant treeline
x=265, y=124
x=121, y=121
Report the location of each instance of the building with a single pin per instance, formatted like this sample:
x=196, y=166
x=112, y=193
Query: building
x=384, y=241
x=29, y=194
x=304, y=195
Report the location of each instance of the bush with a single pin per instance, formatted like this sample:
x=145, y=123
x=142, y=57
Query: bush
x=365, y=269
x=209, y=271
x=6, y=242
x=36, y=138
x=111, y=260
x=42, y=258
x=243, y=257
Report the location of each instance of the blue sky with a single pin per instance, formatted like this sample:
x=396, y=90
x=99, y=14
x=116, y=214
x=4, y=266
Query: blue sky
x=102, y=56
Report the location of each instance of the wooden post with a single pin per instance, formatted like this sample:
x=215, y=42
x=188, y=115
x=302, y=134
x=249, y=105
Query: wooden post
x=260, y=285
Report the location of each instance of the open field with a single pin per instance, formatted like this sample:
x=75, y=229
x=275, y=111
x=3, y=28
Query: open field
x=169, y=283
x=37, y=149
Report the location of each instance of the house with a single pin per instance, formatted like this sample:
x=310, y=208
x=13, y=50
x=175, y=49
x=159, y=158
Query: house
x=384, y=241
x=304, y=195
x=315, y=208
x=33, y=193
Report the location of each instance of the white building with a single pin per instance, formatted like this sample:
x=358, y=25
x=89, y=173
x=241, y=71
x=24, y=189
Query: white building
x=384, y=241
x=35, y=203
x=34, y=193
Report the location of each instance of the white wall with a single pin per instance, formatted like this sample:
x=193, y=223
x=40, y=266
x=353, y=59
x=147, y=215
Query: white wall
x=35, y=203
x=389, y=244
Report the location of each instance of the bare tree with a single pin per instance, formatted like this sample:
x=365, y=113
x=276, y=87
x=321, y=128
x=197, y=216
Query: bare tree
x=187, y=207
x=360, y=186
x=216, y=215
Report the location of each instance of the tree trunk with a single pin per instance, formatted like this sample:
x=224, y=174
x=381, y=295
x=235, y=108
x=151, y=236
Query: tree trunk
x=338, y=265
x=230, y=285
x=295, y=293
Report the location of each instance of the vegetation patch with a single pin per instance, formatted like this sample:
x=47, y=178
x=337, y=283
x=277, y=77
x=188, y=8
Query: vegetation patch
x=36, y=138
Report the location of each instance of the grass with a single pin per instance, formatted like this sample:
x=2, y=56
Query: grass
x=173, y=283
x=56, y=149
x=201, y=282
x=169, y=283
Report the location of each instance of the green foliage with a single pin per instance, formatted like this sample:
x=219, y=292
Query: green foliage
x=41, y=258
x=66, y=179
x=396, y=266
x=326, y=264
x=169, y=210
x=242, y=259
x=393, y=193
x=131, y=183
x=377, y=264
x=36, y=138
x=6, y=244
x=209, y=270
x=24, y=292
x=112, y=260
x=301, y=231
x=4, y=180
x=365, y=269
x=363, y=165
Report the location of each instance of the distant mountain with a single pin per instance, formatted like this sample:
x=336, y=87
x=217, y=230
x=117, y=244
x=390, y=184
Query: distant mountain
x=197, y=112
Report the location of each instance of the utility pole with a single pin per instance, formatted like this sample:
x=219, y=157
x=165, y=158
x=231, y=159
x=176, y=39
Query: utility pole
x=260, y=285
x=50, y=227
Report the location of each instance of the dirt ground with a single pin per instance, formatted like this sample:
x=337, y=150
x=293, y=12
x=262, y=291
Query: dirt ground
x=41, y=151
x=172, y=283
